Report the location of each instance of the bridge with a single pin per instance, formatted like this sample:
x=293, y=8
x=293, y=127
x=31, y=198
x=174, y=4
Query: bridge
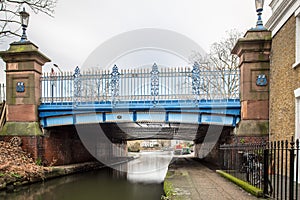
x=141, y=101
x=47, y=111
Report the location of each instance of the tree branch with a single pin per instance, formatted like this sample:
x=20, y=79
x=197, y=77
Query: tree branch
x=8, y=32
x=10, y=21
x=9, y=13
x=45, y=6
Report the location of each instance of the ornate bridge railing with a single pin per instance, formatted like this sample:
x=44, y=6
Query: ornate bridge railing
x=150, y=84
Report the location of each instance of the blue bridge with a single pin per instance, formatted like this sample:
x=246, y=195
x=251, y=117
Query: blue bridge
x=141, y=101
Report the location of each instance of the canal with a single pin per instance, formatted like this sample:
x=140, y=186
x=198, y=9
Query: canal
x=143, y=180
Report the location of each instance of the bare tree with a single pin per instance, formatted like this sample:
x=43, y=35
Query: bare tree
x=10, y=17
x=219, y=74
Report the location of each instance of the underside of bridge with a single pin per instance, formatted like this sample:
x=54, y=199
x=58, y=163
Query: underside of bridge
x=144, y=131
x=170, y=131
x=75, y=143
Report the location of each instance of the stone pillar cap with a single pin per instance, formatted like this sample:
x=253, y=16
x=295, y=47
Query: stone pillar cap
x=23, y=51
x=252, y=40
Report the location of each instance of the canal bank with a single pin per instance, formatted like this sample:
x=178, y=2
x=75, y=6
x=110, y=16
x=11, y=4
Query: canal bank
x=17, y=168
x=16, y=181
x=142, y=180
x=188, y=178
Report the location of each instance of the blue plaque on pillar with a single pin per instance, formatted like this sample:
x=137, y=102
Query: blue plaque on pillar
x=20, y=87
x=261, y=80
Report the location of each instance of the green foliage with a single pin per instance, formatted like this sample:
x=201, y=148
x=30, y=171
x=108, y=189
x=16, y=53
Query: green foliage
x=168, y=189
x=190, y=145
x=39, y=162
x=16, y=175
x=169, y=174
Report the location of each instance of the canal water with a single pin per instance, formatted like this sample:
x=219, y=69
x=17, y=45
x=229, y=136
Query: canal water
x=144, y=180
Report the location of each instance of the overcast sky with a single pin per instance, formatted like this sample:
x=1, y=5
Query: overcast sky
x=78, y=27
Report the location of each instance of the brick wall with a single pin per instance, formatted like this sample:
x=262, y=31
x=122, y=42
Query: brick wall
x=62, y=146
x=284, y=80
x=55, y=148
x=249, y=139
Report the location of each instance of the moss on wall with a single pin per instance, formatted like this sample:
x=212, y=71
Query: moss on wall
x=21, y=129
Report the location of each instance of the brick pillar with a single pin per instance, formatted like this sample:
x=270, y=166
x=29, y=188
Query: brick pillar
x=23, y=71
x=254, y=52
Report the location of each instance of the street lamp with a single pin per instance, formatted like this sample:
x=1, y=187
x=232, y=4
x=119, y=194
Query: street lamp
x=259, y=4
x=55, y=65
x=24, y=22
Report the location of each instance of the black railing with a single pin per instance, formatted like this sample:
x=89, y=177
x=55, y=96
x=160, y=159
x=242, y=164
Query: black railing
x=273, y=167
x=244, y=161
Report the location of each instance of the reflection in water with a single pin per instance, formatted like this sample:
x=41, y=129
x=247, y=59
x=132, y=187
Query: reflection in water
x=151, y=167
x=106, y=184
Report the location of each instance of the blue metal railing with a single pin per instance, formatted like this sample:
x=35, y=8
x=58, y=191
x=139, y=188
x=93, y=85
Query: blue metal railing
x=149, y=84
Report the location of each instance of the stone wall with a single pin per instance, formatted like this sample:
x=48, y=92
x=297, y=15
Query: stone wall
x=284, y=80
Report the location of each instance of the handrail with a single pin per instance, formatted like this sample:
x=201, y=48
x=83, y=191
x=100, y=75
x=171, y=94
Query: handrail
x=2, y=115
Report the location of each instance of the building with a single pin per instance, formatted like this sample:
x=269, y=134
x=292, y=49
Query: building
x=284, y=99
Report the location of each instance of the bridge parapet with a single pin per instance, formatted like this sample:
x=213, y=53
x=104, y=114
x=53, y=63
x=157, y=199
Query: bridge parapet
x=140, y=84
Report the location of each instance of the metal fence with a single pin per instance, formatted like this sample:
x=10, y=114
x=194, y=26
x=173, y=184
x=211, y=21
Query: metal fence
x=271, y=166
x=140, y=84
x=2, y=92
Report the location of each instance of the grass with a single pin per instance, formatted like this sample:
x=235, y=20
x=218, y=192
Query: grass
x=168, y=189
x=246, y=186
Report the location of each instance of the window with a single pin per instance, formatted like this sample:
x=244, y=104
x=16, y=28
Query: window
x=297, y=56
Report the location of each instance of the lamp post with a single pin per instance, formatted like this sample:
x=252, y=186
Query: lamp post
x=24, y=22
x=55, y=65
x=259, y=4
